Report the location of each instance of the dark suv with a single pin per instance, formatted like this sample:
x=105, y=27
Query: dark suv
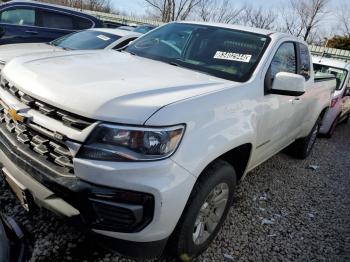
x=27, y=21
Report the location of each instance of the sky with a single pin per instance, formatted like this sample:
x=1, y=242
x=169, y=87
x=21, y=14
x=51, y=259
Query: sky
x=327, y=28
x=138, y=6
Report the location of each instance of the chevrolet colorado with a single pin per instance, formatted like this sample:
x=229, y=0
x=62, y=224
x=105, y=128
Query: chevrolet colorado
x=146, y=145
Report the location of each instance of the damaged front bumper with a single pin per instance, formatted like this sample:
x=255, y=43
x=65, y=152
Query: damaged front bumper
x=71, y=197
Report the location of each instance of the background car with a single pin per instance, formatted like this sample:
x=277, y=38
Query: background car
x=143, y=29
x=339, y=110
x=28, y=22
x=126, y=28
x=97, y=38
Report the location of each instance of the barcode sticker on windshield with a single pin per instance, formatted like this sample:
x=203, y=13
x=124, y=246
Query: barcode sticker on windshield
x=245, y=58
x=103, y=37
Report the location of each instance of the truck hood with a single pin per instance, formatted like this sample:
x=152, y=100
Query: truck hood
x=107, y=85
x=7, y=52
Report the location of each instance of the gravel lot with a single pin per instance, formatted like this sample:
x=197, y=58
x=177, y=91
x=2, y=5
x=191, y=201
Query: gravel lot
x=283, y=211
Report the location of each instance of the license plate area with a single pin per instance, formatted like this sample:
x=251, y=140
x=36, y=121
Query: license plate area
x=20, y=190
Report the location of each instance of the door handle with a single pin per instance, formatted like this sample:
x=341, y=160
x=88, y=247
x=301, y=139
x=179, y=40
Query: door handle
x=31, y=32
x=296, y=100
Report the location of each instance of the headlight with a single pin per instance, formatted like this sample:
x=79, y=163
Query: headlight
x=126, y=143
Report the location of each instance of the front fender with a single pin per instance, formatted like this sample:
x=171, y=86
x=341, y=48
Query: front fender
x=215, y=124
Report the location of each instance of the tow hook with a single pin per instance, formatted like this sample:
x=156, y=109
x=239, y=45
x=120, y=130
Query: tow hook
x=13, y=246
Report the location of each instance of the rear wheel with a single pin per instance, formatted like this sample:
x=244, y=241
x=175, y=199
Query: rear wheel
x=205, y=211
x=302, y=147
x=346, y=120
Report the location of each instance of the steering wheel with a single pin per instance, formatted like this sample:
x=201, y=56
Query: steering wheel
x=152, y=43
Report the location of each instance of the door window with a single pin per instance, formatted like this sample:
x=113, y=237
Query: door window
x=56, y=20
x=284, y=60
x=18, y=16
x=82, y=23
x=305, y=65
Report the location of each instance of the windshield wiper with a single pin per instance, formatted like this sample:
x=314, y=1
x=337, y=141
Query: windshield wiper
x=131, y=53
x=173, y=63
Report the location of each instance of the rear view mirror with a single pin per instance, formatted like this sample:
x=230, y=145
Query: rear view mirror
x=288, y=84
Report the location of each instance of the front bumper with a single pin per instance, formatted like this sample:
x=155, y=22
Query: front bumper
x=140, y=203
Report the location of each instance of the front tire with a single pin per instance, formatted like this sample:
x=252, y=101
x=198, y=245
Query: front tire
x=205, y=212
x=302, y=147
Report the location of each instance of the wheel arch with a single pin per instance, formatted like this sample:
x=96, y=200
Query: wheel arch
x=238, y=157
x=323, y=112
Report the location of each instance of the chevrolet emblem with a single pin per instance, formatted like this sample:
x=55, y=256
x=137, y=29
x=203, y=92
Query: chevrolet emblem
x=15, y=115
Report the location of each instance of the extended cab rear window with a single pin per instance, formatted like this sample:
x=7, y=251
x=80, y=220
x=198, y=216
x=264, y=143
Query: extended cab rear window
x=225, y=53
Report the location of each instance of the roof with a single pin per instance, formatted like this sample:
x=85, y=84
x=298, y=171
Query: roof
x=127, y=28
x=116, y=31
x=51, y=5
x=331, y=62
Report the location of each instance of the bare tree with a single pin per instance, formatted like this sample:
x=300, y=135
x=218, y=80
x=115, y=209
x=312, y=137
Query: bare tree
x=305, y=16
x=258, y=17
x=172, y=10
x=343, y=15
x=220, y=11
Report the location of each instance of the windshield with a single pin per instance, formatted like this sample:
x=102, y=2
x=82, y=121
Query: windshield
x=86, y=40
x=339, y=73
x=224, y=53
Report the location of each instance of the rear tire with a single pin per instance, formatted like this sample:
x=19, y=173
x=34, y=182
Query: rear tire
x=205, y=212
x=347, y=118
x=302, y=147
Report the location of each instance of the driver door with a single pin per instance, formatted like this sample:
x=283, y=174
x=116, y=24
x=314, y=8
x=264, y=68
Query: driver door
x=278, y=118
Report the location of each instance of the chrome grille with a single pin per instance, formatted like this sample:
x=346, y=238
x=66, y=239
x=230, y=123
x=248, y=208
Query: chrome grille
x=53, y=151
x=66, y=118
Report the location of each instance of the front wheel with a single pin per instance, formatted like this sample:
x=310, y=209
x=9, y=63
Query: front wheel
x=302, y=147
x=205, y=212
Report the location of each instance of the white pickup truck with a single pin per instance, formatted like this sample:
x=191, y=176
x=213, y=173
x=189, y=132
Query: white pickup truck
x=146, y=145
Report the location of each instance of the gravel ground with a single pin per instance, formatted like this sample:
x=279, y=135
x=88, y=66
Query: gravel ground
x=284, y=211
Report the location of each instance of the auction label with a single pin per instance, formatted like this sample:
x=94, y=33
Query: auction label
x=245, y=58
x=103, y=37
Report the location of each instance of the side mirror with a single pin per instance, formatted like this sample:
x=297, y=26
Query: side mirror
x=288, y=84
